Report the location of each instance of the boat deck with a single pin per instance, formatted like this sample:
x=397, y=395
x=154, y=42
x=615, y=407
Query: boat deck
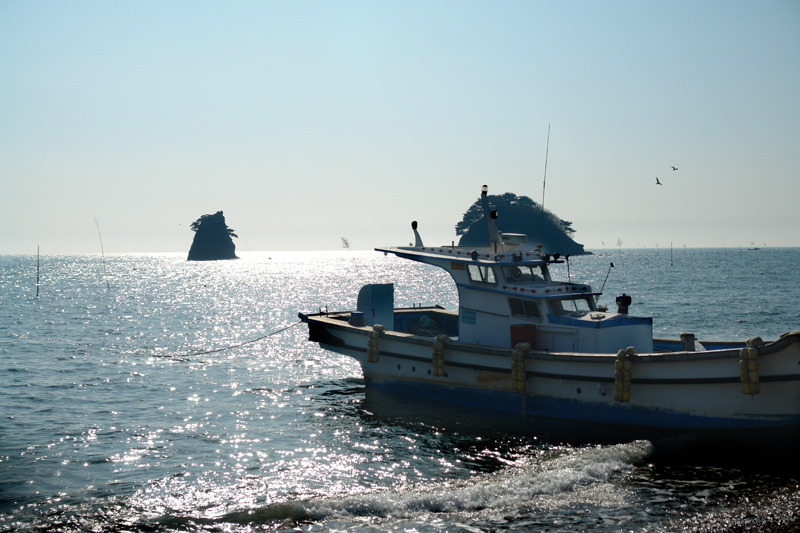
x=441, y=321
x=676, y=345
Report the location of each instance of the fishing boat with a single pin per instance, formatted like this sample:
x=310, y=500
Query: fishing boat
x=524, y=345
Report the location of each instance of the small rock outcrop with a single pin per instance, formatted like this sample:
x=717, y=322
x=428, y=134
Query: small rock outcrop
x=212, y=239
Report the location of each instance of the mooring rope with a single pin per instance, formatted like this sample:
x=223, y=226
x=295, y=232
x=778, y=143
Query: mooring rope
x=251, y=341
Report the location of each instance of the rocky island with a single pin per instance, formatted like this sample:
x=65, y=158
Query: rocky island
x=212, y=239
x=519, y=214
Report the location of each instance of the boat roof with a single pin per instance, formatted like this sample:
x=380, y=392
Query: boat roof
x=470, y=255
x=483, y=256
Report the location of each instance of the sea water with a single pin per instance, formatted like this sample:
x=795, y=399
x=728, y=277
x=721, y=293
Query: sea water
x=148, y=393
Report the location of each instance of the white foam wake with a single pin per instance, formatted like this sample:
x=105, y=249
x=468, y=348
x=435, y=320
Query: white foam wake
x=553, y=474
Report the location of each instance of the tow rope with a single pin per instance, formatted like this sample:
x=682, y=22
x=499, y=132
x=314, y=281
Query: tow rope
x=251, y=341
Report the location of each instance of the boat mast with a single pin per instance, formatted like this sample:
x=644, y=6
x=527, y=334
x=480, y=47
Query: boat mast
x=490, y=215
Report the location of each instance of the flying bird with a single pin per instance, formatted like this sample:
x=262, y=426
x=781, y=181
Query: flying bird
x=674, y=168
x=657, y=182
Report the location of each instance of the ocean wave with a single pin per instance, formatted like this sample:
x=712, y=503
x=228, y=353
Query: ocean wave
x=561, y=471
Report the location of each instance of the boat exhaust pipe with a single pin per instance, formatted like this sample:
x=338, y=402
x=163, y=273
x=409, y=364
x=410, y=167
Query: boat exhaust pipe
x=623, y=301
x=687, y=339
x=417, y=238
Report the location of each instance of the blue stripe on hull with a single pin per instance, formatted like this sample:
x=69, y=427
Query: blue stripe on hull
x=637, y=419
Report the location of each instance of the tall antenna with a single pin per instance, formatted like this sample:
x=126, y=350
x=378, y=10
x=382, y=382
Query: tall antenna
x=544, y=183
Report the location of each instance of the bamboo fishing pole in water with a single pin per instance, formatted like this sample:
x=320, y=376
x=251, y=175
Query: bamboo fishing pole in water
x=102, y=253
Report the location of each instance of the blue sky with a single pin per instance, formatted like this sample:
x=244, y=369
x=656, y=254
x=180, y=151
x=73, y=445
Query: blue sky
x=310, y=121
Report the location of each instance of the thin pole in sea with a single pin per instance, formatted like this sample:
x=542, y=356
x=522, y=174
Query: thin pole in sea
x=102, y=252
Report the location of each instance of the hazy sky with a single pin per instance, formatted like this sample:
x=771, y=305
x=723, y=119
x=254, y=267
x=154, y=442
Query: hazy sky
x=309, y=121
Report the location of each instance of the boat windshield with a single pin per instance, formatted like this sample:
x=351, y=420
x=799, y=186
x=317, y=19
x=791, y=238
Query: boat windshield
x=523, y=273
x=572, y=306
x=525, y=308
x=481, y=274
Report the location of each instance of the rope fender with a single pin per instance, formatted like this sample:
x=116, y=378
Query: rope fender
x=622, y=375
x=437, y=359
x=373, y=344
x=748, y=367
x=519, y=380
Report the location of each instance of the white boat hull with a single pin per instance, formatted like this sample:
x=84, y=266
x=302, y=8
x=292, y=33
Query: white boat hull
x=670, y=393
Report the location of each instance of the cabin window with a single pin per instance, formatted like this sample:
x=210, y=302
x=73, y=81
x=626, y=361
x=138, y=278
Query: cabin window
x=574, y=306
x=481, y=274
x=523, y=273
x=525, y=308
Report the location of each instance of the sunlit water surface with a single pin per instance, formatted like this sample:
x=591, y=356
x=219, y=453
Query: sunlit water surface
x=112, y=418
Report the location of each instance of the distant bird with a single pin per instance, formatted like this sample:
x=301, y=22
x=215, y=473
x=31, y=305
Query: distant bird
x=657, y=182
x=674, y=168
